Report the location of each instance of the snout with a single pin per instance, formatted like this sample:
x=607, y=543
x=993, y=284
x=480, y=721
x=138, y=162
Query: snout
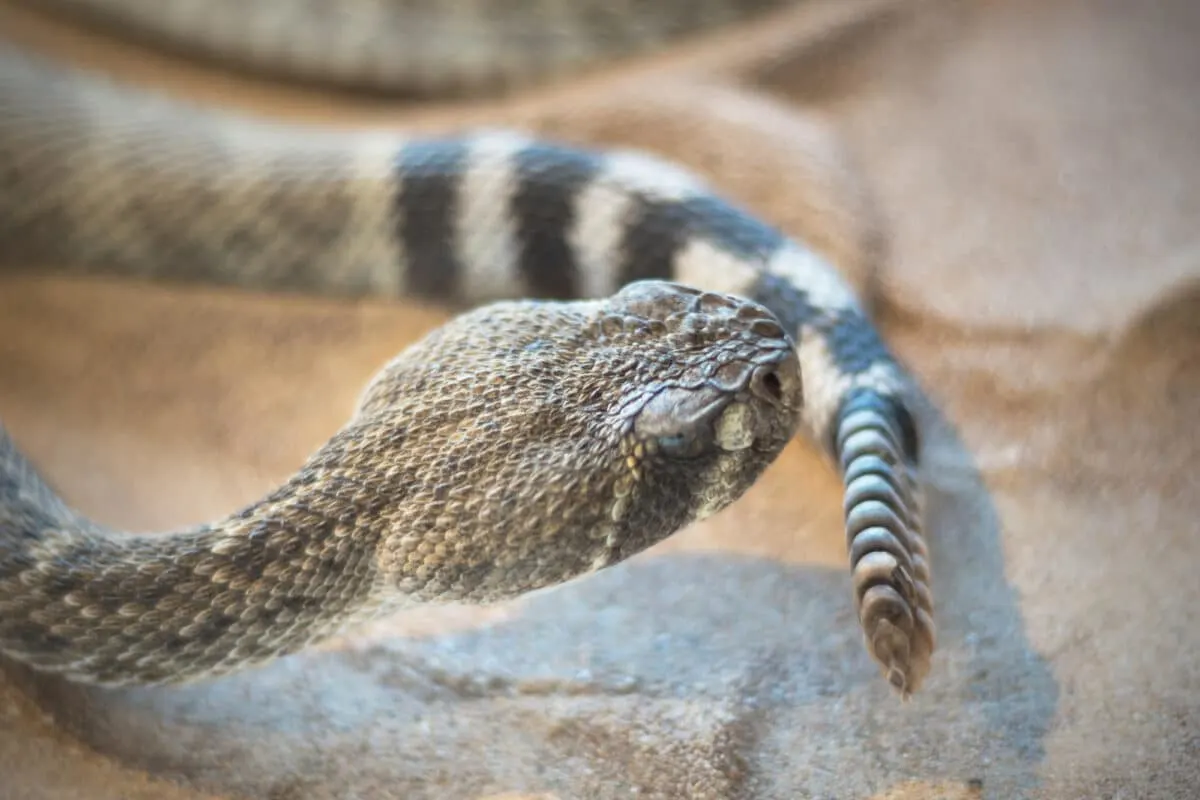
x=766, y=412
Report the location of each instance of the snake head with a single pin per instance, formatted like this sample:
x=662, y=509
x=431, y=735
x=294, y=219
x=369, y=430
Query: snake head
x=529, y=442
x=720, y=399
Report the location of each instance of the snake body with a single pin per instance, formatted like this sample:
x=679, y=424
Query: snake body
x=416, y=47
x=524, y=443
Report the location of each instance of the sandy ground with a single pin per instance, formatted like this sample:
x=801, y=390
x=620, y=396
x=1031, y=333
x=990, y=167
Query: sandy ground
x=1036, y=170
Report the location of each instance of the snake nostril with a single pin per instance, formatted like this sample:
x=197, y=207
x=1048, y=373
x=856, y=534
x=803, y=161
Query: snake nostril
x=771, y=385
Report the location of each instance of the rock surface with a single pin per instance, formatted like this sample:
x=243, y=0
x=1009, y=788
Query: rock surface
x=1036, y=170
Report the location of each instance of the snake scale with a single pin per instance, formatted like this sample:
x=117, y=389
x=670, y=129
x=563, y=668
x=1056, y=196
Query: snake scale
x=674, y=345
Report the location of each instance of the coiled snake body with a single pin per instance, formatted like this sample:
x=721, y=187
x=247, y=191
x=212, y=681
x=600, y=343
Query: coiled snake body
x=522, y=444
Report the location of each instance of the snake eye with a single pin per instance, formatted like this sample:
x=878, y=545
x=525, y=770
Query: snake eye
x=679, y=420
x=679, y=445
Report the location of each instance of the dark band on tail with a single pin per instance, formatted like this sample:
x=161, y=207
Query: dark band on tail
x=426, y=207
x=544, y=209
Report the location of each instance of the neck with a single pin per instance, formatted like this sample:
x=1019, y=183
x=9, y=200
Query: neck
x=113, y=608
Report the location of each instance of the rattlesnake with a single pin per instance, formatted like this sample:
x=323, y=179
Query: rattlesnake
x=522, y=444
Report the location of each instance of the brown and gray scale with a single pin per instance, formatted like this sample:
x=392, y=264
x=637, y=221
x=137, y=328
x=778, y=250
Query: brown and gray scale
x=524, y=443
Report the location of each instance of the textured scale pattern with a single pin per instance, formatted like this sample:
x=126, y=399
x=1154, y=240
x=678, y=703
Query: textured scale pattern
x=415, y=47
x=98, y=177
